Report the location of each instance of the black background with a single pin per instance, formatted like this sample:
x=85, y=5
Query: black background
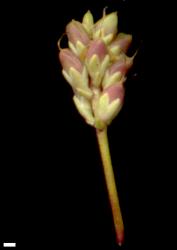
x=53, y=192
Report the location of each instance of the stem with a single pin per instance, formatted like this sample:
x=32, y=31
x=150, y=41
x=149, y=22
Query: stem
x=111, y=185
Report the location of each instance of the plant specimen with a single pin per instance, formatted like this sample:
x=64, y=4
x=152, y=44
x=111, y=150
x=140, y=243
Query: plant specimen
x=95, y=65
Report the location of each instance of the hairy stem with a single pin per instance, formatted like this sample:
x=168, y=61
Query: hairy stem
x=110, y=183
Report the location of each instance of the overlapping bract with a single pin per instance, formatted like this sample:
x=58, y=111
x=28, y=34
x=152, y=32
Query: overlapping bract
x=95, y=65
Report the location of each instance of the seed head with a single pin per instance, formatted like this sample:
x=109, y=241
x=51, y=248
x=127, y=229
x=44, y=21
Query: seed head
x=95, y=65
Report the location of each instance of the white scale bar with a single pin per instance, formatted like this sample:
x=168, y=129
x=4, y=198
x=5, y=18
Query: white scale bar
x=9, y=244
